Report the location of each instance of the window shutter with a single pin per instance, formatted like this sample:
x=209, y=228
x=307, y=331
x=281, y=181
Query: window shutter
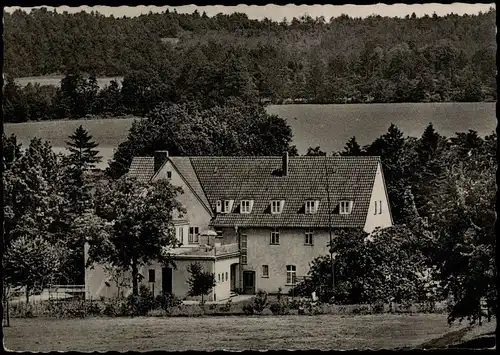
x=231, y=203
x=351, y=203
x=251, y=205
x=316, y=206
x=218, y=206
x=282, y=205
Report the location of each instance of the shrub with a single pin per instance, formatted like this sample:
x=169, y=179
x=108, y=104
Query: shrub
x=260, y=301
x=227, y=306
x=138, y=305
x=280, y=307
x=167, y=301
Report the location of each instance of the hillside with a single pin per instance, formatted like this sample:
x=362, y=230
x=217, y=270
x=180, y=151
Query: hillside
x=338, y=60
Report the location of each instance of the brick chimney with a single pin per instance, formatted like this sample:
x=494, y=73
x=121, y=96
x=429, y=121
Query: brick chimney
x=284, y=165
x=160, y=157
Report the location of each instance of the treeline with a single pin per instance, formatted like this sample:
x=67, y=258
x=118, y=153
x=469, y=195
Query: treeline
x=442, y=246
x=377, y=59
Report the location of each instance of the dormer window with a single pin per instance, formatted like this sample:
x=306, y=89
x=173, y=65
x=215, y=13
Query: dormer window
x=246, y=206
x=224, y=206
x=312, y=207
x=345, y=207
x=277, y=206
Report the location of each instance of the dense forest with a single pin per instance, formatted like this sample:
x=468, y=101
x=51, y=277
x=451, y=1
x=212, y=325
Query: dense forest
x=186, y=57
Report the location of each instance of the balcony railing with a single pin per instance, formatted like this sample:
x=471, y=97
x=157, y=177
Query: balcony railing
x=226, y=249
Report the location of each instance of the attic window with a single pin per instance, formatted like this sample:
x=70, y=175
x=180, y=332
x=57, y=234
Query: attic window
x=345, y=207
x=169, y=174
x=277, y=206
x=246, y=206
x=224, y=206
x=311, y=207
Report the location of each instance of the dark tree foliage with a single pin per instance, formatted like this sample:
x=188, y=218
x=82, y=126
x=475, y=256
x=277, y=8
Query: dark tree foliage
x=189, y=130
x=172, y=57
x=200, y=282
x=316, y=151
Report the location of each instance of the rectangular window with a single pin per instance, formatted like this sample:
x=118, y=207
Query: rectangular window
x=151, y=275
x=311, y=207
x=290, y=274
x=345, y=207
x=275, y=236
x=169, y=174
x=227, y=278
x=180, y=234
x=265, y=270
x=219, y=277
x=193, y=235
x=309, y=237
x=245, y=206
x=226, y=206
x=276, y=206
x=379, y=207
x=222, y=277
x=243, y=249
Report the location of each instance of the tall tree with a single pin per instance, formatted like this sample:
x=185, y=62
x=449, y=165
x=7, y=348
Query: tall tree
x=77, y=188
x=200, y=282
x=135, y=222
x=233, y=129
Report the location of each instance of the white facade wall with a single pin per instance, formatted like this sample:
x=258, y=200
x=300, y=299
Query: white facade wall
x=379, y=196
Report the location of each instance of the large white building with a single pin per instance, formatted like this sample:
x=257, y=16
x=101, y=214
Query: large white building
x=257, y=222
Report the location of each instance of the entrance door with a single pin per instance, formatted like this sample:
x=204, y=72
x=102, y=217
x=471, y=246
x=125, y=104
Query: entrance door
x=166, y=280
x=249, y=282
x=233, y=276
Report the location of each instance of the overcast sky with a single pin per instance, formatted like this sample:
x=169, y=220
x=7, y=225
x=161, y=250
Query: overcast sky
x=277, y=13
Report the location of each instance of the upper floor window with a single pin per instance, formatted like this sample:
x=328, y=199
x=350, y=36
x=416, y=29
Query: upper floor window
x=275, y=236
x=345, y=207
x=277, y=206
x=312, y=206
x=378, y=207
x=224, y=206
x=169, y=174
x=243, y=249
x=180, y=234
x=309, y=237
x=193, y=235
x=246, y=206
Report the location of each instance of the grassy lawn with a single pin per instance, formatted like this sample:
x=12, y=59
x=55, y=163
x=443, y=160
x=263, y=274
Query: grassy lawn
x=322, y=332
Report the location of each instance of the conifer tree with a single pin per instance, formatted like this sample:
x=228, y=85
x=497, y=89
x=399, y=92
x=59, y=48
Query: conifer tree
x=351, y=148
x=77, y=189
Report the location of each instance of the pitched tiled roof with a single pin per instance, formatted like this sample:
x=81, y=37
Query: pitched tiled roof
x=252, y=178
x=183, y=165
x=255, y=178
x=142, y=168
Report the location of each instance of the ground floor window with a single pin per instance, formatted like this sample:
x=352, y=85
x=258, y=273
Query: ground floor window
x=290, y=274
x=265, y=270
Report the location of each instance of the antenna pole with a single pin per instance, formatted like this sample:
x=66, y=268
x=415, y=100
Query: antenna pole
x=330, y=223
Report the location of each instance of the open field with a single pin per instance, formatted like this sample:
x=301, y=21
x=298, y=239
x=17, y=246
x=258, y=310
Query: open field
x=322, y=332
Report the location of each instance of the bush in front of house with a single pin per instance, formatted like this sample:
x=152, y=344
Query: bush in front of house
x=139, y=305
x=257, y=304
x=167, y=301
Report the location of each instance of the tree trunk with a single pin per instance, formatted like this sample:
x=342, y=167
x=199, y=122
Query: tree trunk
x=27, y=295
x=135, y=273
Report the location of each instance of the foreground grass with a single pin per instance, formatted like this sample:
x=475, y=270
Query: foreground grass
x=322, y=332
